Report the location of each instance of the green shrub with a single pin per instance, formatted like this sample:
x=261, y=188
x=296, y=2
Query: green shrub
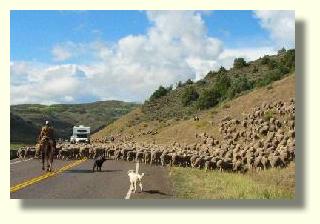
x=222, y=70
x=282, y=51
x=268, y=114
x=201, y=82
x=239, y=85
x=160, y=92
x=222, y=84
x=255, y=69
x=189, y=82
x=189, y=95
x=269, y=78
x=265, y=60
x=272, y=64
x=208, y=98
x=210, y=74
x=289, y=59
x=283, y=69
x=179, y=84
x=239, y=63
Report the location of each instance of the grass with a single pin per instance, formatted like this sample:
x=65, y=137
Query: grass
x=268, y=114
x=270, y=184
x=15, y=146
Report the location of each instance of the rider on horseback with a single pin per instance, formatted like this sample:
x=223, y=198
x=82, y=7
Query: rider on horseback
x=47, y=144
x=46, y=134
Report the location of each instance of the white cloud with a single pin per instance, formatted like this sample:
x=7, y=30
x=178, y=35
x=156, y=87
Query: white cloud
x=176, y=47
x=44, y=84
x=280, y=24
x=61, y=53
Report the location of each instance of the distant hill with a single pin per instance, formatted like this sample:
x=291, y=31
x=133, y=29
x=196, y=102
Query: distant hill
x=27, y=119
x=168, y=115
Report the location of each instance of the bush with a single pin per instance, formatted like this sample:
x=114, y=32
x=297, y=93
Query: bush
x=189, y=95
x=272, y=64
x=222, y=84
x=255, y=69
x=189, y=82
x=265, y=60
x=282, y=51
x=179, y=84
x=160, y=92
x=289, y=59
x=208, y=98
x=283, y=69
x=239, y=85
x=210, y=74
x=269, y=77
x=222, y=70
x=268, y=114
x=201, y=82
x=239, y=63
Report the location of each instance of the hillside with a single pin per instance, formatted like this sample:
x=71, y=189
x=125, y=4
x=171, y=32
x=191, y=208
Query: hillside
x=190, y=97
x=26, y=119
x=185, y=130
x=165, y=117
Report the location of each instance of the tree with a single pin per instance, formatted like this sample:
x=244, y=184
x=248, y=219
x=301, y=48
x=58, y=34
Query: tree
x=189, y=95
x=189, y=82
x=269, y=78
x=222, y=70
x=208, y=98
x=222, y=84
x=210, y=74
x=239, y=85
x=289, y=59
x=161, y=91
x=179, y=84
x=239, y=63
x=265, y=60
x=282, y=51
x=201, y=82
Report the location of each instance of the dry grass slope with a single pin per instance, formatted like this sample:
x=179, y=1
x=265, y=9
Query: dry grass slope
x=184, y=130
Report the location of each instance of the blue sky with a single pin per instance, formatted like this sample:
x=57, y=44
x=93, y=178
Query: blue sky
x=145, y=49
x=34, y=33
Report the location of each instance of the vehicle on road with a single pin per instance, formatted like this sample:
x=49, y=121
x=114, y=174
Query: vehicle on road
x=80, y=133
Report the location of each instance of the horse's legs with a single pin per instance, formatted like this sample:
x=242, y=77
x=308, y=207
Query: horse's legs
x=50, y=156
x=51, y=159
x=42, y=155
x=47, y=157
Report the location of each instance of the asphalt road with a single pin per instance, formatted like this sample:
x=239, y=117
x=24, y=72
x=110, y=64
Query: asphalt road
x=75, y=179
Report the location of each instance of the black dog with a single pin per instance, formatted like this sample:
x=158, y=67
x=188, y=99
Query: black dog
x=98, y=163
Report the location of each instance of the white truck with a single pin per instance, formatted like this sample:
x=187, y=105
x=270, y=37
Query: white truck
x=80, y=134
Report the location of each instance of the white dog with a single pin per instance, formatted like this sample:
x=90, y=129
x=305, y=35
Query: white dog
x=135, y=178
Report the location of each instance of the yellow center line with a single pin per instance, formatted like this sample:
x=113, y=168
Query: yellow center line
x=44, y=176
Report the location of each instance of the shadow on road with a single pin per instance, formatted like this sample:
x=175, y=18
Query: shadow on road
x=90, y=171
x=155, y=192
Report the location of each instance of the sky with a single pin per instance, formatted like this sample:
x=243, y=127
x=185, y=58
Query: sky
x=86, y=56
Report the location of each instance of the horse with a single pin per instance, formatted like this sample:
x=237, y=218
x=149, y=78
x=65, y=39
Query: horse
x=47, y=148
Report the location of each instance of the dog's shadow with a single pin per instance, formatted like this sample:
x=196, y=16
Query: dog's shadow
x=154, y=192
x=90, y=171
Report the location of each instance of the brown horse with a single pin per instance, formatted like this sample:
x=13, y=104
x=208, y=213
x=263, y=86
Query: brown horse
x=47, y=148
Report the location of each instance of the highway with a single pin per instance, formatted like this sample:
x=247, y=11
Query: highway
x=75, y=179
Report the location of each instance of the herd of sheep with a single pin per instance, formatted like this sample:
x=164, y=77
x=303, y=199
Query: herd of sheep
x=261, y=139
